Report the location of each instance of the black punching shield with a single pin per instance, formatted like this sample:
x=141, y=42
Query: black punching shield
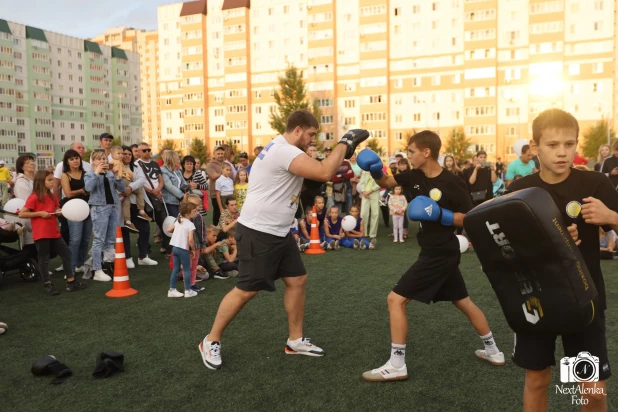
x=532, y=263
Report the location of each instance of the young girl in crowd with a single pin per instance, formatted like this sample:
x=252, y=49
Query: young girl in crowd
x=103, y=187
x=224, y=187
x=333, y=229
x=183, y=249
x=356, y=238
x=41, y=208
x=321, y=215
x=199, y=240
x=397, y=205
x=240, y=187
x=451, y=166
x=404, y=166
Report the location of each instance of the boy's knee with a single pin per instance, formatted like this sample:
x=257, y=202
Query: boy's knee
x=596, y=396
x=538, y=380
x=395, y=300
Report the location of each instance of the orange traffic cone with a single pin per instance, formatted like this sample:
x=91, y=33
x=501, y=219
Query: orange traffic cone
x=121, y=288
x=314, y=242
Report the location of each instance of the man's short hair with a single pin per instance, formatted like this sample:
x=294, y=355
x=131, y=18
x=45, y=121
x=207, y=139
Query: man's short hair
x=427, y=140
x=553, y=119
x=303, y=119
x=524, y=149
x=228, y=200
x=481, y=153
x=144, y=144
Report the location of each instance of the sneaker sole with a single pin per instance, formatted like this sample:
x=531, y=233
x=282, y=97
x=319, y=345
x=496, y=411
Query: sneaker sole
x=220, y=278
x=398, y=378
x=290, y=351
x=206, y=363
x=490, y=361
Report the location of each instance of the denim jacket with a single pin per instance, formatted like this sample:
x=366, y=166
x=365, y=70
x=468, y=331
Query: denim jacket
x=173, y=181
x=94, y=186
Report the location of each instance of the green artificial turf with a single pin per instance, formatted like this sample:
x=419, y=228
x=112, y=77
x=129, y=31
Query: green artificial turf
x=346, y=315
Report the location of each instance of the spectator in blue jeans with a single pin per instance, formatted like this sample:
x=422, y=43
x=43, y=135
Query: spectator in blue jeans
x=73, y=187
x=174, y=187
x=103, y=187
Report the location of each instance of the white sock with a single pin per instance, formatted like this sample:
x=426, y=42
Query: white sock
x=490, y=345
x=295, y=341
x=398, y=355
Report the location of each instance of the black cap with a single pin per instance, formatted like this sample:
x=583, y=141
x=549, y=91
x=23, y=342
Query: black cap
x=328, y=149
x=243, y=155
x=106, y=136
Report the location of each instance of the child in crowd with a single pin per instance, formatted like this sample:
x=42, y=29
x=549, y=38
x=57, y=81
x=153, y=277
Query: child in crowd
x=103, y=187
x=127, y=176
x=224, y=186
x=607, y=241
x=356, y=238
x=397, y=205
x=241, y=184
x=210, y=261
x=41, y=208
x=321, y=214
x=183, y=249
x=295, y=230
x=199, y=240
x=333, y=229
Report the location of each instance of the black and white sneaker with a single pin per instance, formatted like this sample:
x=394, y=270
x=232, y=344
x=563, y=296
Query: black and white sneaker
x=304, y=347
x=220, y=275
x=50, y=289
x=197, y=288
x=211, y=353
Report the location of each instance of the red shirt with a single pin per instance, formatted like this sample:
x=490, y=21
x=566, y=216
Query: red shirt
x=580, y=161
x=43, y=228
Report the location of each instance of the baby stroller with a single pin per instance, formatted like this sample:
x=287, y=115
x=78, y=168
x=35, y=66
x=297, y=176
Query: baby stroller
x=15, y=260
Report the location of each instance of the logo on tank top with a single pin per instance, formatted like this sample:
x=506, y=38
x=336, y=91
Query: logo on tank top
x=435, y=194
x=573, y=209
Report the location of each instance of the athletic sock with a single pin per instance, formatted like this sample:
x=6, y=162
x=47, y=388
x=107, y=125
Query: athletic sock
x=490, y=345
x=398, y=355
x=295, y=341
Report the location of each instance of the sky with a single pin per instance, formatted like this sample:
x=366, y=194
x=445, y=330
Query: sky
x=82, y=18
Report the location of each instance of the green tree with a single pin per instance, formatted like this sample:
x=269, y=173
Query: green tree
x=291, y=96
x=235, y=150
x=595, y=137
x=374, y=145
x=458, y=144
x=406, y=136
x=169, y=144
x=117, y=142
x=199, y=150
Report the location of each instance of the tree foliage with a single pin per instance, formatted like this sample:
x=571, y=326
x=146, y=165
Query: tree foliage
x=458, y=144
x=374, y=145
x=168, y=144
x=199, y=150
x=291, y=96
x=595, y=137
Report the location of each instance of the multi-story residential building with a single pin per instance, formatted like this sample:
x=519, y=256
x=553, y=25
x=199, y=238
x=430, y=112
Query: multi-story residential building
x=146, y=44
x=57, y=89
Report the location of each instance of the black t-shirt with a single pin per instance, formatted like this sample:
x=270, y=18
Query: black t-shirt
x=568, y=196
x=153, y=171
x=483, y=181
x=449, y=191
x=109, y=199
x=499, y=167
x=608, y=165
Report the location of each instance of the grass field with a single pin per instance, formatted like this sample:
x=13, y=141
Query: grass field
x=346, y=315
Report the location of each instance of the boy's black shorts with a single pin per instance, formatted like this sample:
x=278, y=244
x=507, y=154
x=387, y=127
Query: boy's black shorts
x=537, y=352
x=263, y=258
x=433, y=278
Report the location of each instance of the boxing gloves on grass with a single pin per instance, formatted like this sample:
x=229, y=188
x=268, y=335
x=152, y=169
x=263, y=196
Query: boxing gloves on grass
x=352, y=139
x=370, y=161
x=49, y=365
x=424, y=209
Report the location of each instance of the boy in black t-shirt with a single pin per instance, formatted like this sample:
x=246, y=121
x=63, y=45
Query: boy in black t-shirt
x=440, y=201
x=587, y=200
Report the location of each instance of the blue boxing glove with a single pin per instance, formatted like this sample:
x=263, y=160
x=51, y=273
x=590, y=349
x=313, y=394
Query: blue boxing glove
x=424, y=209
x=370, y=161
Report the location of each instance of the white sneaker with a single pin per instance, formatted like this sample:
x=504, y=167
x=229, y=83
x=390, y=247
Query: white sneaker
x=495, y=359
x=331, y=245
x=173, y=293
x=395, y=240
x=101, y=276
x=130, y=264
x=147, y=262
x=356, y=244
x=363, y=246
x=372, y=244
x=336, y=247
x=59, y=268
x=305, y=347
x=190, y=293
x=80, y=269
x=211, y=353
x=386, y=373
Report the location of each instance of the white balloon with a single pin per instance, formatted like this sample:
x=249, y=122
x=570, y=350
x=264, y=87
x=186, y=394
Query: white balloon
x=167, y=223
x=13, y=205
x=517, y=146
x=348, y=223
x=463, y=243
x=76, y=210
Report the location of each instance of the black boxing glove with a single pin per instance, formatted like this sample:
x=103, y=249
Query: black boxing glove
x=48, y=365
x=352, y=139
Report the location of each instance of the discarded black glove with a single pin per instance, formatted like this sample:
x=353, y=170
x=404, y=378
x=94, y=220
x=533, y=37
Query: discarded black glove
x=49, y=365
x=108, y=363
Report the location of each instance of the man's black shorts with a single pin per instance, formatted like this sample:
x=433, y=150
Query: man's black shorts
x=263, y=258
x=537, y=352
x=433, y=278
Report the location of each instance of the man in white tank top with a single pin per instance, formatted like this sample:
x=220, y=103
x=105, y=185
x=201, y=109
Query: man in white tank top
x=266, y=249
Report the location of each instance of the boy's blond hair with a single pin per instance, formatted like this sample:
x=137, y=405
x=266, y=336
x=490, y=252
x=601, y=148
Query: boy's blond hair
x=212, y=229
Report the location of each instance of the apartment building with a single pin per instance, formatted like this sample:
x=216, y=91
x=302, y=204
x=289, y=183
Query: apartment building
x=146, y=44
x=57, y=89
x=389, y=66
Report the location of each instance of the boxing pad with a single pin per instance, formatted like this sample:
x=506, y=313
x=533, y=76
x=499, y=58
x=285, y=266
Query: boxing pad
x=535, y=268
